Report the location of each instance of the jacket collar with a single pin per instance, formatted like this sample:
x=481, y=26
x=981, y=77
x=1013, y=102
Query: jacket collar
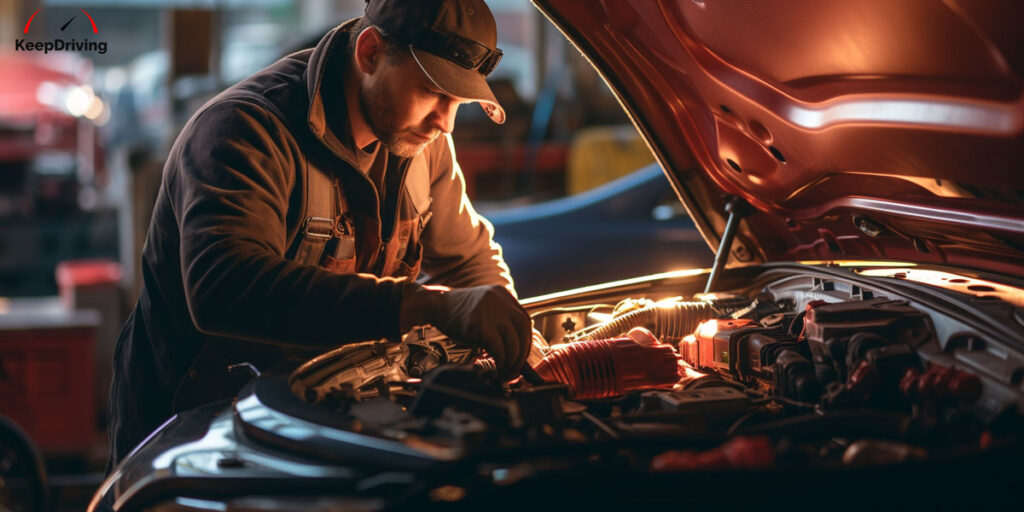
x=327, y=65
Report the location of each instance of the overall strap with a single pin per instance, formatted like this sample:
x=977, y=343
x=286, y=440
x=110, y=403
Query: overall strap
x=318, y=216
x=319, y=207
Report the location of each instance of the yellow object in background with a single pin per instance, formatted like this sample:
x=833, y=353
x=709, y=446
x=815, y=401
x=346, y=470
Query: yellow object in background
x=600, y=154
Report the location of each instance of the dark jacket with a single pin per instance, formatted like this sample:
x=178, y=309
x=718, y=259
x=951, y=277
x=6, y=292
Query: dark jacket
x=221, y=284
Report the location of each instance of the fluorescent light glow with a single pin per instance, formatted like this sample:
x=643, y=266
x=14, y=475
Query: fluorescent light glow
x=961, y=115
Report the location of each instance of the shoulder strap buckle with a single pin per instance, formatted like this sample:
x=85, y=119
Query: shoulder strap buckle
x=318, y=228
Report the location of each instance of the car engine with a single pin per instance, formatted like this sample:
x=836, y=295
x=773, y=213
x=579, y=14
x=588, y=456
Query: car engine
x=865, y=384
x=800, y=372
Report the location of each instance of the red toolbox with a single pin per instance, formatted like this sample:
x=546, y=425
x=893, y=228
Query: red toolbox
x=47, y=372
x=96, y=284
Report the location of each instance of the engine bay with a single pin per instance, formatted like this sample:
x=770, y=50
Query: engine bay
x=797, y=372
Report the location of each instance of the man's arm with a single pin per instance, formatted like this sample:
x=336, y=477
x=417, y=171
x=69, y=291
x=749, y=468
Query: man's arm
x=458, y=245
x=232, y=173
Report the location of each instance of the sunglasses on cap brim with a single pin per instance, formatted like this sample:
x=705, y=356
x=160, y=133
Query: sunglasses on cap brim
x=465, y=52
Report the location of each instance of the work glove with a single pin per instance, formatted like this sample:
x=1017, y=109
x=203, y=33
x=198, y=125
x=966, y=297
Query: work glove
x=485, y=316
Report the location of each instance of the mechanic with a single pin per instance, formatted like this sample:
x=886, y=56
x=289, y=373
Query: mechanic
x=298, y=207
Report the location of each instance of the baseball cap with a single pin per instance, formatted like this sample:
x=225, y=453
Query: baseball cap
x=453, y=41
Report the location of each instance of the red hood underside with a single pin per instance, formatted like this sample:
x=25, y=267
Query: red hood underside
x=869, y=129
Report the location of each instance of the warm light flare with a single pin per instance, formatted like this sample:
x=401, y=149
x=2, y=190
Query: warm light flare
x=858, y=263
x=95, y=109
x=707, y=329
x=690, y=339
x=78, y=100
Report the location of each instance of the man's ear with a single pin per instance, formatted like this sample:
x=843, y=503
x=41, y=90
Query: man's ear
x=369, y=50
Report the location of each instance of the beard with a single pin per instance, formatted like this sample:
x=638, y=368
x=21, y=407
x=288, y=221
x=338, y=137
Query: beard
x=380, y=115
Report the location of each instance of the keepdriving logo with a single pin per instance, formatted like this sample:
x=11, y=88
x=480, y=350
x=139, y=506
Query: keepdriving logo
x=60, y=44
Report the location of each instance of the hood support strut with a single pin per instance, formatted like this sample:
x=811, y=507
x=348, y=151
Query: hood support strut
x=737, y=208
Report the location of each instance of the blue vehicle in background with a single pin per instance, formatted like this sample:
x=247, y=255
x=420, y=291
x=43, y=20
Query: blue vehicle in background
x=632, y=226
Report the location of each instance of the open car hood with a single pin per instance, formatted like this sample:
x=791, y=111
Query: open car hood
x=853, y=130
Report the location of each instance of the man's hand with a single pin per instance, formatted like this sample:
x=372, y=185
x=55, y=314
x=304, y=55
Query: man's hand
x=484, y=316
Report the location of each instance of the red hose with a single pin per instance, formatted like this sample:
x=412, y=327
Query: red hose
x=609, y=368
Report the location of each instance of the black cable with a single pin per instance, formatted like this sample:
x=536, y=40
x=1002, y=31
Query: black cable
x=782, y=399
x=762, y=401
x=739, y=422
x=789, y=328
x=884, y=425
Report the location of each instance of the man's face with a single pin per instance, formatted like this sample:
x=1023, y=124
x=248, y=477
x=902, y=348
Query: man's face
x=403, y=108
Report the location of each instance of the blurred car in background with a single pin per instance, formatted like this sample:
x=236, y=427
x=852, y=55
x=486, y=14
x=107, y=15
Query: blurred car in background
x=49, y=144
x=52, y=167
